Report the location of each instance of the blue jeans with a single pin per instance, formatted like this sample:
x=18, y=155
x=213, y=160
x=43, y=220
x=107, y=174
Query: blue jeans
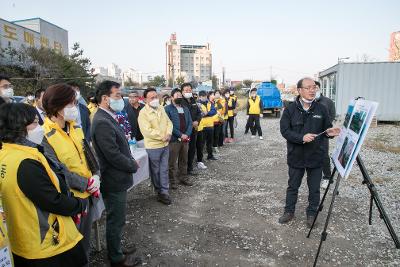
x=158, y=162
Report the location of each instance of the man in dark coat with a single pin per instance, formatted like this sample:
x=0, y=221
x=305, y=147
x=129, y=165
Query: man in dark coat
x=132, y=109
x=305, y=124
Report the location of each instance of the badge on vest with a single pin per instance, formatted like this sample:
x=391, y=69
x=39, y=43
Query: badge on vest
x=317, y=116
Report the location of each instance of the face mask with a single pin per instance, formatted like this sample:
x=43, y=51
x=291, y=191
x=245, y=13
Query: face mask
x=154, y=103
x=168, y=102
x=187, y=95
x=227, y=95
x=217, y=96
x=317, y=94
x=203, y=99
x=30, y=98
x=7, y=92
x=231, y=92
x=78, y=95
x=307, y=101
x=117, y=105
x=178, y=101
x=71, y=114
x=253, y=95
x=36, y=135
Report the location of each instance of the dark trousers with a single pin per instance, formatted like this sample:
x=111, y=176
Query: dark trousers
x=192, y=150
x=313, y=181
x=231, y=128
x=253, y=122
x=200, y=146
x=115, y=203
x=326, y=165
x=218, y=131
x=209, y=139
x=178, y=153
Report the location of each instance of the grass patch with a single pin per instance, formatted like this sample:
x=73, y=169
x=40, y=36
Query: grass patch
x=380, y=146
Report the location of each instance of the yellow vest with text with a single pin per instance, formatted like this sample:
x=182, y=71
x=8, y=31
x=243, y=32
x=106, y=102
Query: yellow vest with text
x=30, y=237
x=231, y=101
x=221, y=108
x=254, y=106
x=69, y=149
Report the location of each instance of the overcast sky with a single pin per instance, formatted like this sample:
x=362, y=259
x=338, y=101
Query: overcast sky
x=296, y=38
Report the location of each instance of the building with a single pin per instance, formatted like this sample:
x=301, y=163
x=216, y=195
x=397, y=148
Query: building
x=100, y=70
x=394, y=49
x=35, y=32
x=192, y=62
x=376, y=81
x=114, y=71
x=132, y=75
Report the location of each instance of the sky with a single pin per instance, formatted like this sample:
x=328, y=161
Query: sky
x=251, y=39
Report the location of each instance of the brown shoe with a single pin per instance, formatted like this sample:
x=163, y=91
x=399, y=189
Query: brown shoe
x=129, y=261
x=186, y=182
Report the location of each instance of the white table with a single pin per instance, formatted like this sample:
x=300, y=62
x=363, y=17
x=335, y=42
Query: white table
x=143, y=173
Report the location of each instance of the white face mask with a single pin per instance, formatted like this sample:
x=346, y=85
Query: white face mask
x=307, y=101
x=117, y=105
x=231, y=92
x=168, y=102
x=253, y=95
x=7, y=92
x=317, y=94
x=187, y=95
x=227, y=95
x=36, y=135
x=154, y=103
x=30, y=98
x=217, y=96
x=71, y=113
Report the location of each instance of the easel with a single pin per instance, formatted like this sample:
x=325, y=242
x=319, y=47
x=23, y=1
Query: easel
x=374, y=198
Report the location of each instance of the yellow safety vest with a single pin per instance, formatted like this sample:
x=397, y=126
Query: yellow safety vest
x=231, y=101
x=254, y=106
x=206, y=122
x=93, y=109
x=223, y=112
x=30, y=237
x=69, y=149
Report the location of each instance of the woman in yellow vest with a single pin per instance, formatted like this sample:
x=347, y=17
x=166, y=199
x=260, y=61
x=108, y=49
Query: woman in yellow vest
x=254, y=111
x=219, y=120
x=64, y=139
x=36, y=200
x=92, y=106
x=232, y=102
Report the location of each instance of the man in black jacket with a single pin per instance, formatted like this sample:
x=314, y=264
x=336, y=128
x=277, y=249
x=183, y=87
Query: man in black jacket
x=305, y=124
x=195, y=112
x=132, y=109
x=116, y=167
x=328, y=103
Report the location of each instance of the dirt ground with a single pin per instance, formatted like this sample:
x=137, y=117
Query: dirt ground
x=230, y=216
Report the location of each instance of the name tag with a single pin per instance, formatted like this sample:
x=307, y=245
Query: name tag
x=317, y=116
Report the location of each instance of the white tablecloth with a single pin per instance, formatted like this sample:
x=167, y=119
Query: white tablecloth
x=141, y=157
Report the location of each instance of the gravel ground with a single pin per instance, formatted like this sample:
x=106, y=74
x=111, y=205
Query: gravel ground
x=230, y=216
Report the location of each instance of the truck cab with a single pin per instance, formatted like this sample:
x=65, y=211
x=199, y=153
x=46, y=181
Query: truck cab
x=270, y=97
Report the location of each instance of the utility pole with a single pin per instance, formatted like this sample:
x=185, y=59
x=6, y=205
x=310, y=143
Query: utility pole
x=223, y=76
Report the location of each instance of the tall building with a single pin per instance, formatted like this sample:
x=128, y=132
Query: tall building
x=394, y=50
x=192, y=62
x=133, y=75
x=100, y=70
x=35, y=32
x=114, y=71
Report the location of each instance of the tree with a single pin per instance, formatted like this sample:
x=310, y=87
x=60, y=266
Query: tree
x=180, y=80
x=247, y=83
x=158, y=81
x=131, y=83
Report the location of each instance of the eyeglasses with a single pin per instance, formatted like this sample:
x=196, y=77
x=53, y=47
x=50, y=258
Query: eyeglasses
x=314, y=88
x=7, y=86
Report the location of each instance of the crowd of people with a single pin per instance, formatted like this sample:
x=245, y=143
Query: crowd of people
x=63, y=162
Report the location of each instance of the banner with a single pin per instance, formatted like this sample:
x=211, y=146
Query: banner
x=355, y=127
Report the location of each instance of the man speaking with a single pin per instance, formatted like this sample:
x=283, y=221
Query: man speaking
x=305, y=124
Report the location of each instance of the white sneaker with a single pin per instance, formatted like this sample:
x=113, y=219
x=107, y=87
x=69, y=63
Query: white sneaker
x=201, y=166
x=324, y=183
x=215, y=150
x=253, y=136
x=261, y=138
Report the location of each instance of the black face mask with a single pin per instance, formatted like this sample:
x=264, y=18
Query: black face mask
x=178, y=101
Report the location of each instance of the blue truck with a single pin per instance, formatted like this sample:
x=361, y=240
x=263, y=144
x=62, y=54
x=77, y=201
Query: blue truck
x=271, y=98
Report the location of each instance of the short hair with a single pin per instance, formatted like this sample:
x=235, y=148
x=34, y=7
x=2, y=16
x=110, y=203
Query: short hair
x=148, y=90
x=56, y=97
x=4, y=77
x=14, y=117
x=183, y=85
x=226, y=91
x=203, y=93
x=134, y=92
x=104, y=88
x=217, y=91
x=300, y=82
x=176, y=90
x=39, y=92
x=317, y=83
x=253, y=89
x=210, y=93
x=29, y=93
x=73, y=84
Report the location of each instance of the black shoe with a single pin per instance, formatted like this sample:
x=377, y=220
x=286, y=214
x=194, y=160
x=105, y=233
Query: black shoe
x=129, y=250
x=164, y=198
x=192, y=173
x=310, y=220
x=211, y=158
x=173, y=186
x=128, y=261
x=286, y=217
x=186, y=182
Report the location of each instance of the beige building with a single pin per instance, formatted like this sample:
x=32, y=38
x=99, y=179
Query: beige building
x=192, y=62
